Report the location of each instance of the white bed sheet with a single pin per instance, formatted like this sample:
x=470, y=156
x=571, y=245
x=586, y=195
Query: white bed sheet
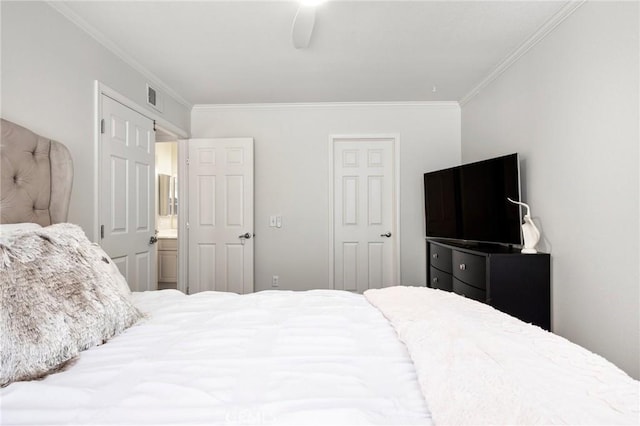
x=275, y=357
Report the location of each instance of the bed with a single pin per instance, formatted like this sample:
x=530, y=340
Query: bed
x=394, y=356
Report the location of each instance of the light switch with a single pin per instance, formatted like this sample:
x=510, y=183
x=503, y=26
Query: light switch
x=279, y=221
x=272, y=221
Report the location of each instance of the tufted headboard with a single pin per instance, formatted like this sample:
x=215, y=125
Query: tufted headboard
x=36, y=175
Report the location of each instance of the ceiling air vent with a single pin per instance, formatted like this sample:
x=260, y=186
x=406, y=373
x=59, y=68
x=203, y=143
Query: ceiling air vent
x=153, y=98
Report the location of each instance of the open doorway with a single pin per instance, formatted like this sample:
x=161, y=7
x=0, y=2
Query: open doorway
x=167, y=209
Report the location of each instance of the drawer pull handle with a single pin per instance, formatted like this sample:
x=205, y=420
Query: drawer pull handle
x=435, y=279
x=463, y=267
x=434, y=255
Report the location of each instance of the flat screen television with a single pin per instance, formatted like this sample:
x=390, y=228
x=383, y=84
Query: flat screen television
x=469, y=202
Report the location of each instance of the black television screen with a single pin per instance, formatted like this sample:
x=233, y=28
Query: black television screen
x=469, y=202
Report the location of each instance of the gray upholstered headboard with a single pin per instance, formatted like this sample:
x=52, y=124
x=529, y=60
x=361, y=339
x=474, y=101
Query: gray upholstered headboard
x=36, y=175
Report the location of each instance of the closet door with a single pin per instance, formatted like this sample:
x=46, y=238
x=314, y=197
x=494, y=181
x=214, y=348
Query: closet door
x=364, y=203
x=220, y=219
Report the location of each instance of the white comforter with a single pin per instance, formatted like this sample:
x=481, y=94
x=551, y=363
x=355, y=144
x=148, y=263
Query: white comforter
x=479, y=366
x=319, y=357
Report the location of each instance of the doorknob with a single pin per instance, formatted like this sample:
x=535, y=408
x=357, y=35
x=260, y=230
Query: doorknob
x=245, y=236
x=153, y=240
x=388, y=235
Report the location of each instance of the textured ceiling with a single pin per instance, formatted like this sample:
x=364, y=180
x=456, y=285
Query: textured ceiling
x=220, y=52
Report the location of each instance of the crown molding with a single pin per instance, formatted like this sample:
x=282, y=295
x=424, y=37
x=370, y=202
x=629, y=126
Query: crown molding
x=542, y=32
x=72, y=16
x=316, y=105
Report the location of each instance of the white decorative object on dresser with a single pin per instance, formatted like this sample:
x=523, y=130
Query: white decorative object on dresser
x=530, y=231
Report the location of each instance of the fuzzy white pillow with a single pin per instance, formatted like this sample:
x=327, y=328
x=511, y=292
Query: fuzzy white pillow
x=59, y=294
x=8, y=230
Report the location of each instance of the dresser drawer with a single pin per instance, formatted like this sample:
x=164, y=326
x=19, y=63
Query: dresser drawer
x=468, y=291
x=440, y=257
x=470, y=268
x=441, y=280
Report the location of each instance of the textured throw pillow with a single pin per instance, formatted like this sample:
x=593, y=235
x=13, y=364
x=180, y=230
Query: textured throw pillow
x=9, y=230
x=59, y=294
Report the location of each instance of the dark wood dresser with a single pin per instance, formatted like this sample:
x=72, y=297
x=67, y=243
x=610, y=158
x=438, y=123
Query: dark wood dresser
x=515, y=283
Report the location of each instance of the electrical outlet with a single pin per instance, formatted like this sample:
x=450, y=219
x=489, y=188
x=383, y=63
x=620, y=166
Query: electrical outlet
x=275, y=280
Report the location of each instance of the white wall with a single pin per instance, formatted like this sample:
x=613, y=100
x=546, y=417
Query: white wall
x=167, y=158
x=291, y=177
x=570, y=108
x=48, y=70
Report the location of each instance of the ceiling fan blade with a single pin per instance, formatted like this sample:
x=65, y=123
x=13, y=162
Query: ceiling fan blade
x=303, y=26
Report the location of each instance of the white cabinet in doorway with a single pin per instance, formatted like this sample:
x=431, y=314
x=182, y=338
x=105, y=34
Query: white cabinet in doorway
x=167, y=263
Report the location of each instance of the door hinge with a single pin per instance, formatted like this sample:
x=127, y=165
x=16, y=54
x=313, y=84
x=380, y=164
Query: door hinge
x=102, y=231
x=102, y=126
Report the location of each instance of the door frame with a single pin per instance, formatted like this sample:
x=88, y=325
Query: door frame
x=183, y=212
x=101, y=89
x=395, y=139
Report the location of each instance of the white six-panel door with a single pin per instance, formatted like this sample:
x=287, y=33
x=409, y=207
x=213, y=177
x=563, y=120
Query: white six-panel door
x=220, y=219
x=127, y=193
x=363, y=214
